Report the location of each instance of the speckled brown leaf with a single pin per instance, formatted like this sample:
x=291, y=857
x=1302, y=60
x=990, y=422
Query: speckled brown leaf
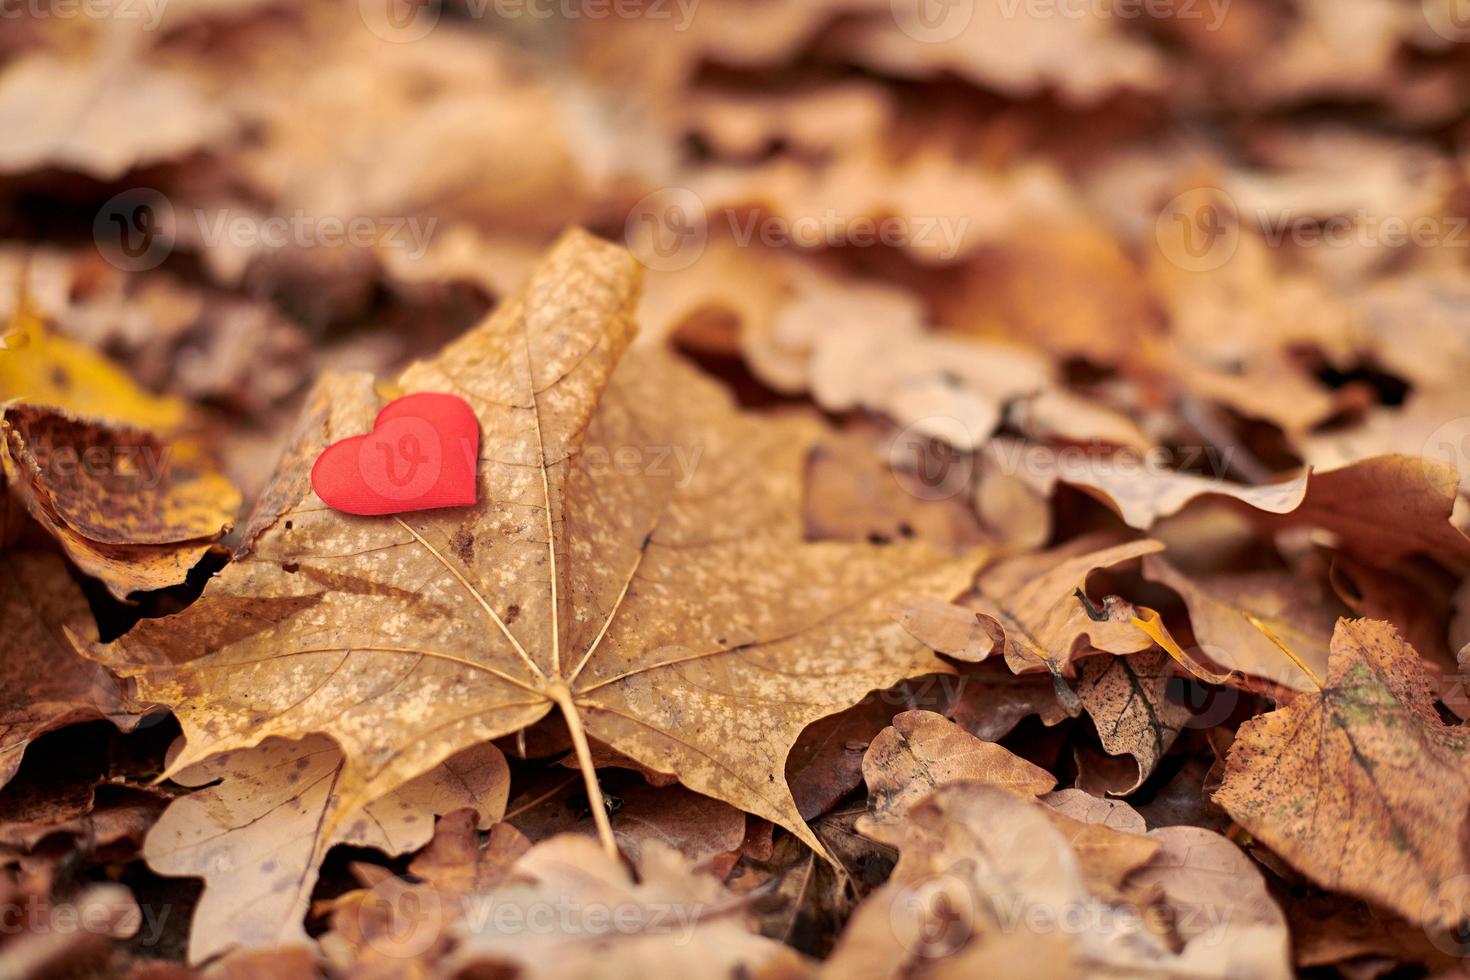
x=921, y=751
x=1127, y=699
x=259, y=835
x=636, y=559
x=1361, y=787
x=129, y=507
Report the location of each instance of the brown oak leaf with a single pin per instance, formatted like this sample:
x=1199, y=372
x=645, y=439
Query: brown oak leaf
x=922, y=750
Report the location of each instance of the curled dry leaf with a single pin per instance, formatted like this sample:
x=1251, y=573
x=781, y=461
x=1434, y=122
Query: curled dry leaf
x=669, y=921
x=397, y=927
x=258, y=836
x=1127, y=698
x=1032, y=599
x=669, y=609
x=1387, y=507
x=945, y=627
x=1361, y=786
x=1086, y=808
x=826, y=763
x=1221, y=912
x=393, y=928
x=1142, y=495
x=922, y=751
x=46, y=683
x=1298, y=610
x=130, y=508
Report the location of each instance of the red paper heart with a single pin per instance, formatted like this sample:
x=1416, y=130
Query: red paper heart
x=420, y=455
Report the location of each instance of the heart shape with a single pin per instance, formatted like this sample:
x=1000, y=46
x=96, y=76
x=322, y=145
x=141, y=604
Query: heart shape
x=420, y=455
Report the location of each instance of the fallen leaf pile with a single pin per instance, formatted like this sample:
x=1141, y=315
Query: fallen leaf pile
x=964, y=489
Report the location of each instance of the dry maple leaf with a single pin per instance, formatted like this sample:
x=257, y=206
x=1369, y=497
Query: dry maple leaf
x=258, y=836
x=46, y=684
x=1361, y=786
x=130, y=508
x=636, y=560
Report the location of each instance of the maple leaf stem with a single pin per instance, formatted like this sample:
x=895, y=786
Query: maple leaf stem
x=562, y=695
x=1291, y=654
x=1153, y=627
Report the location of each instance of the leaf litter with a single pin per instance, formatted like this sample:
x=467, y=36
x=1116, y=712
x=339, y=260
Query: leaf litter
x=955, y=497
